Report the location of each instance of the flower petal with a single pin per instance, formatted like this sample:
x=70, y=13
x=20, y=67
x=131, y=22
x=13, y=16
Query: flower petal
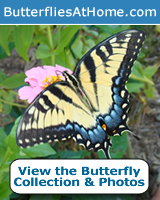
x=37, y=90
x=31, y=81
x=36, y=77
x=36, y=73
x=26, y=93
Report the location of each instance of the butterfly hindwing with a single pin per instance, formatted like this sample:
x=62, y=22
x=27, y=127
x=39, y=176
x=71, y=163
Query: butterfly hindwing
x=95, y=108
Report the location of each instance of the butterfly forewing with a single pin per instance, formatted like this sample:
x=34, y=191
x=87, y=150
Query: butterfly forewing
x=48, y=118
x=102, y=74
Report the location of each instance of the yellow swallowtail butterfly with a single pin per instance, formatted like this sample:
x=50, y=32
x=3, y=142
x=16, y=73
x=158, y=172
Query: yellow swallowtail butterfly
x=91, y=104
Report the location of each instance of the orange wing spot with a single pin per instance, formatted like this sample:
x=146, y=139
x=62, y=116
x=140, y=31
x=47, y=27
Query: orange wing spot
x=104, y=127
x=114, y=131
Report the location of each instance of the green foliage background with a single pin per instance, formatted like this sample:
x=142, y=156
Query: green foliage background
x=62, y=45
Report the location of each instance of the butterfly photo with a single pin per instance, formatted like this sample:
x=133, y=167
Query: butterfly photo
x=90, y=104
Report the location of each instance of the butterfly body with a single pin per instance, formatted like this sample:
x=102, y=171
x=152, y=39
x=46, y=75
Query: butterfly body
x=91, y=104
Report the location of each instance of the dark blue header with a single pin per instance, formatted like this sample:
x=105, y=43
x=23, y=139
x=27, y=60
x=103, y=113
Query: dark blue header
x=79, y=12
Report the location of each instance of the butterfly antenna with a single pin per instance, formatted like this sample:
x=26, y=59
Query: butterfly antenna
x=59, y=73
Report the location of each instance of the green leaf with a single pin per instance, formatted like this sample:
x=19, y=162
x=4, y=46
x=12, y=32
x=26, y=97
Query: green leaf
x=43, y=51
x=133, y=86
x=77, y=48
x=3, y=76
x=41, y=27
x=5, y=190
x=4, y=33
x=119, y=146
x=102, y=197
x=8, y=127
x=112, y=29
x=89, y=43
x=23, y=37
x=14, y=81
x=71, y=154
x=150, y=71
x=1, y=106
x=40, y=39
x=46, y=61
x=45, y=197
x=60, y=59
x=149, y=92
x=15, y=112
x=2, y=136
x=7, y=95
x=66, y=36
x=7, y=108
x=10, y=140
x=141, y=55
x=3, y=54
x=138, y=74
x=6, y=198
x=39, y=151
x=101, y=154
x=2, y=145
x=16, y=196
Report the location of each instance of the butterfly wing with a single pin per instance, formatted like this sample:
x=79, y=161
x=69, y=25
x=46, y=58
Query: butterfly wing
x=102, y=74
x=57, y=114
x=44, y=120
x=53, y=116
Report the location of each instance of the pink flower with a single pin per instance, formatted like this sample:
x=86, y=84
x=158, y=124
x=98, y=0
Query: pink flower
x=39, y=78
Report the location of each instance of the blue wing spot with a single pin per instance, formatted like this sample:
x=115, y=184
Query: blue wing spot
x=117, y=118
x=76, y=128
x=116, y=90
x=109, y=122
x=96, y=132
x=59, y=129
x=113, y=114
x=118, y=110
x=117, y=81
x=84, y=133
x=100, y=133
x=121, y=72
x=62, y=128
x=118, y=100
x=69, y=127
x=92, y=136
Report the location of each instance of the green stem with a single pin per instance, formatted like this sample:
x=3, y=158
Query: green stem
x=138, y=114
x=58, y=34
x=50, y=43
x=13, y=92
x=13, y=104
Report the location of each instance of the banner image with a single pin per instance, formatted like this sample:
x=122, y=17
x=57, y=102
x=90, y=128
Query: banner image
x=79, y=100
